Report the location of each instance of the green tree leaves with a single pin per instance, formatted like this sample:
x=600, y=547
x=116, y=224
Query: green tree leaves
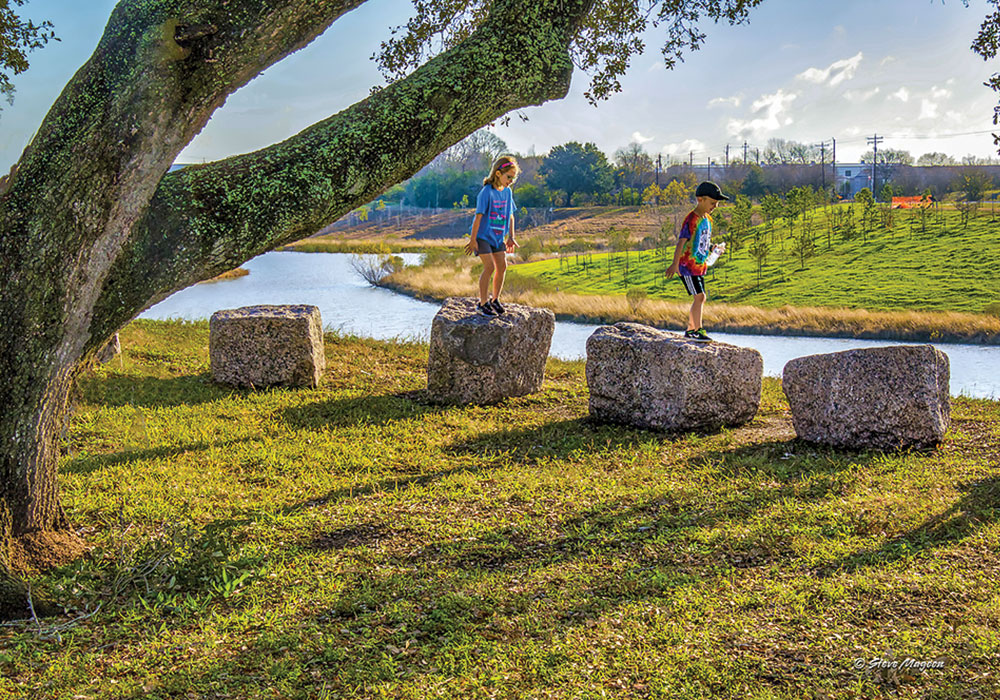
x=576, y=169
x=17, y=38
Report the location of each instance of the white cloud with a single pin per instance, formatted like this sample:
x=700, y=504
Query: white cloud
x=723, y=101
x=940, y=93
x=886, y=61
x=771, y=109
x=928, y=109
x=683, y=148
x=861, y=95
x=639, y=138
x=902, y=94
x=834, y=74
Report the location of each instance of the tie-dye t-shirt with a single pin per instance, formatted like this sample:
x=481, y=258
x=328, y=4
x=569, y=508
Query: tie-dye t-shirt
x=497, y=207
x=696, y=232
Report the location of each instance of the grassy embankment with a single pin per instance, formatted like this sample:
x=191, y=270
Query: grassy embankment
x=357, y=541
x=918, y=281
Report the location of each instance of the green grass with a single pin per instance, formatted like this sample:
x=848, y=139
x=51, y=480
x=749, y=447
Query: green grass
x=938, y=266
x=357, y=541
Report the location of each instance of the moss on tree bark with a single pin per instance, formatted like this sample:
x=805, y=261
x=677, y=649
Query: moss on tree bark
x=93, y=231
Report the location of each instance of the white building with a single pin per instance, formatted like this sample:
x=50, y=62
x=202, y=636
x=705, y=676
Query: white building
x=851, y=178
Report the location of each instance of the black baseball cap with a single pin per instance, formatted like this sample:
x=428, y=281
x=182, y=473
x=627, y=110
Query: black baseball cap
x=710, y=189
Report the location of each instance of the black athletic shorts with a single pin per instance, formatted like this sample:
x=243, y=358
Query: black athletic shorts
x=485, y=248
x=694, y=284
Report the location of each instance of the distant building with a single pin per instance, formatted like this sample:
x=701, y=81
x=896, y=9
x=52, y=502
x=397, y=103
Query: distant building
x=851, y=178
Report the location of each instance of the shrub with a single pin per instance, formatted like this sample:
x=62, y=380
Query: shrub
x=374, y=268
x=516, y=287
x=529, y=248
x=636, y=298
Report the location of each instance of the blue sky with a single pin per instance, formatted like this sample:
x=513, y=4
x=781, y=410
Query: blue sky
x=806, y=70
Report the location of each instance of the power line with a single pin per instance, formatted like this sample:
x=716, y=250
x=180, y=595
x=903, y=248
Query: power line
x=923, y=136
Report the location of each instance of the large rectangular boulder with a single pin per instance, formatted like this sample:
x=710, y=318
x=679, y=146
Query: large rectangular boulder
x=477, y=359
x=649, y=378
x=267, y=345
x=883, y=398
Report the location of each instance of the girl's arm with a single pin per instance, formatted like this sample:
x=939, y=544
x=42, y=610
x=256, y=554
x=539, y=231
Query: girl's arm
x=472, y=247
x=511, y=243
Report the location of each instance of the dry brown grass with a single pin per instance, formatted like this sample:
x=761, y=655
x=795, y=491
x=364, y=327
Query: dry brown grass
x=230, y=274
x=589, y=223
x=440, y=282
x=341, y=244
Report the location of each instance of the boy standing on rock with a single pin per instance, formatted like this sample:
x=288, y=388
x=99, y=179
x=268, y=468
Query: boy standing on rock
x=694, y=245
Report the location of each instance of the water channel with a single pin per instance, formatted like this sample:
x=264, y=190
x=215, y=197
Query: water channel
x=349, y=305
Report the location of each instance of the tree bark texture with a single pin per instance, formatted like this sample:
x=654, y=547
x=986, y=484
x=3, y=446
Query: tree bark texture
x=93, y=230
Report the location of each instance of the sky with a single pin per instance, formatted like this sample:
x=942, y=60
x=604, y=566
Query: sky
x=804, y=70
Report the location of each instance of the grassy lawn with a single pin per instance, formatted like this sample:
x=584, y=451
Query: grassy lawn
x=357, y=541
x=937, y=265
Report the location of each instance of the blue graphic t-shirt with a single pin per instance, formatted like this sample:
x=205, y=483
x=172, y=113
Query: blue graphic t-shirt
x=497, y=208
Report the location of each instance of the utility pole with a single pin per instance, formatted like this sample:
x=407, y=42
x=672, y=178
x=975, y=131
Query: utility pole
x=659, y=164
x=709, y=168
x=822, y=162
x=875, y=141
x=691, y=160
x=744, y=153
x=727, y=156
x=834, y=163
x=758, y=156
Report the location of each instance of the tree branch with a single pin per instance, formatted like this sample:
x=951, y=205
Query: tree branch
x=205, y=219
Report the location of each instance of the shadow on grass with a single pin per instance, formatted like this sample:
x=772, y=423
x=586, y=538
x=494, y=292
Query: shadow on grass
x=559, y=440
x=449, y=601
x=784, y=460
x=86, y=464
x=972, y=512
x=152, y=392
x=412, y=606
x=363, y=410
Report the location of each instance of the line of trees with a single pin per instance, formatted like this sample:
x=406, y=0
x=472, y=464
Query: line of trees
x=574, y=174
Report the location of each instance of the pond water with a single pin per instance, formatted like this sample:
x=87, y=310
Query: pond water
x=349, y=305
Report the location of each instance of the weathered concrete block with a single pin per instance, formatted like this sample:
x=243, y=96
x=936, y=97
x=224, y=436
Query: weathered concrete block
x=477, y=359
x=261, y=346
x=882, y=398
x=650, y=378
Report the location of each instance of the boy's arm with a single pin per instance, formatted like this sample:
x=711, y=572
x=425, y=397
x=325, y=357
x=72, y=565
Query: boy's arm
x=673, y=269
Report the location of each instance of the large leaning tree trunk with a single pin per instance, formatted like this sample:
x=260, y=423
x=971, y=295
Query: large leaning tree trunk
x=93, y=230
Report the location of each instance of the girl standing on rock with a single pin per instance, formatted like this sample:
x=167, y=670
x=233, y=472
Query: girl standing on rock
x=493, y=224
